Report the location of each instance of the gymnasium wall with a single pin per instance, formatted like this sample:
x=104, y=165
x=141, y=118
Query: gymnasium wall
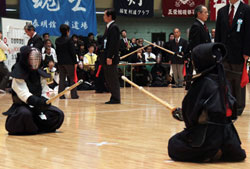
x=143, y=27
x=136, y=27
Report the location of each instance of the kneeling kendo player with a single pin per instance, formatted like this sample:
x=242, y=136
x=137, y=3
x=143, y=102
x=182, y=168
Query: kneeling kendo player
x=29, y=113
x=208, y=111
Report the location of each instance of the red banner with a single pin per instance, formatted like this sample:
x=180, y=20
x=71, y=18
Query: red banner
x=215, y=5
x=180, y=8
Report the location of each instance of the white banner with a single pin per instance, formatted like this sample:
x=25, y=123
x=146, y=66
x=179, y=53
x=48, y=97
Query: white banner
x=14, y=37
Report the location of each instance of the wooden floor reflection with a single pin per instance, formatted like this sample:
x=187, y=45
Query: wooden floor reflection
x=133, y=135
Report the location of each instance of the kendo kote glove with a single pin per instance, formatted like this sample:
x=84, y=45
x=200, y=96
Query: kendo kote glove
x=39, y=103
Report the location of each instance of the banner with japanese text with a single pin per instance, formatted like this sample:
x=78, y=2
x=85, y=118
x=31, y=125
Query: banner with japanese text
x=48, y=15
x=180, y=8
x=139, y=8
x=215, y=5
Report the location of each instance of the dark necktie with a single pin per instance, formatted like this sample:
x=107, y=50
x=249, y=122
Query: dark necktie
x=205, y=26
x=176, y=41
x=231, y=16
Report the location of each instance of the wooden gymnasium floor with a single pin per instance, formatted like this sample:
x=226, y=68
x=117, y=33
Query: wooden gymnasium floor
x=133, y=135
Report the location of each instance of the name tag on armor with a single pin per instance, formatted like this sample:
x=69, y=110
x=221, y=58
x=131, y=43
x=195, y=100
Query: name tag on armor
x=42, y=116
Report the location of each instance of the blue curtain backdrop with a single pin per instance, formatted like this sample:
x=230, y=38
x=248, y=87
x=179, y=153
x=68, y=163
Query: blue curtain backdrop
x=48, y=15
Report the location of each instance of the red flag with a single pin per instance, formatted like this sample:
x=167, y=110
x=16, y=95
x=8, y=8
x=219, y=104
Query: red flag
x=244, y=77
x=184, y=70
x=75, y=76
x=98, y=71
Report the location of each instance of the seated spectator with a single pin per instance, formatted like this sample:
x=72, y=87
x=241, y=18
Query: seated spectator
x=50, y=69
x=149, y=56
x=137, y=57
x=81, y=52
x=141, y=76
x=47, y=57
x=74, y=38
x=48, y=45
x=158, y=73
x=140, y=42
x=90, y=58
x=86, y=67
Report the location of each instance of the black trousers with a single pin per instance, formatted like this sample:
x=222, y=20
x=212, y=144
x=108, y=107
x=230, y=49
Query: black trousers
x=214, y=138
x=233, y=74
x=26, y=120
x=112, y=80
x=67, y=71
x=4, y=76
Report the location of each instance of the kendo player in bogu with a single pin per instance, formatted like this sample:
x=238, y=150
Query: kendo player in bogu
x=29, y=113
x=208, y=111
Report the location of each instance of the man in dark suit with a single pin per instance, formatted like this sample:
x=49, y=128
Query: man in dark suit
x=124, y=44
x=111, y=57
x=179, y=46
x=198, y=34
x=232, y=29
x=35, y=40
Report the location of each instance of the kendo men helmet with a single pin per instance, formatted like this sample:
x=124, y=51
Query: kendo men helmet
x=30, y=58
x=206, y=56
x=35, y=58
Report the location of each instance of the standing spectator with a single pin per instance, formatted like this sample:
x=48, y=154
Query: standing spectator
x=165, y=55
x=232, y=29
x=111, y=58
x=35, y=40
x=90, y=40
x=198, y=34
x=4, y=72
x=66, y=56
x=46, y=36
x=133, y=43
x=179, y=46
x=124, y=44
x=100, y=84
